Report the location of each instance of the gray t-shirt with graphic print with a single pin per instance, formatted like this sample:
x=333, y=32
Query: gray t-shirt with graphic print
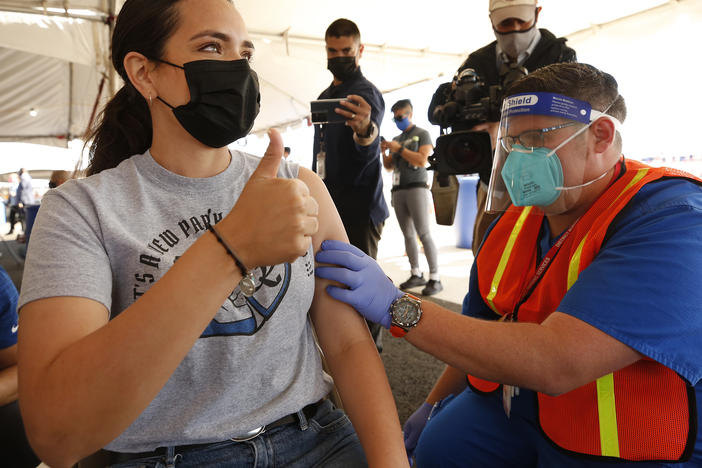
x=404, y=174
x=110, y=236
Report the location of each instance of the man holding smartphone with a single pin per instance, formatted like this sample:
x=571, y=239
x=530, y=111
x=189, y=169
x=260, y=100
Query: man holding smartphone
x=346, y=156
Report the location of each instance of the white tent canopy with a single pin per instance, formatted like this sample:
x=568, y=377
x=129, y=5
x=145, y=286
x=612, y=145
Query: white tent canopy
x=54, y=53
x=50, y=72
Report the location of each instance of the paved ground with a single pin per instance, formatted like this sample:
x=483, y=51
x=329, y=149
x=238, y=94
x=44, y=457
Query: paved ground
x=411, y=372
x=11, y=255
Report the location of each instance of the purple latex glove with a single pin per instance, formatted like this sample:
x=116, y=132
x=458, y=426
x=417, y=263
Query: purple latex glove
x=370, y=291
x=414, y=426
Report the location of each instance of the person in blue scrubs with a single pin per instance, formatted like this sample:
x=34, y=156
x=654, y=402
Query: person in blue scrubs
x=638, y=300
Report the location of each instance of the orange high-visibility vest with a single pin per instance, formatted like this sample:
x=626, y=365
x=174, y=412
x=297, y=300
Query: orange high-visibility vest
x=645, y=411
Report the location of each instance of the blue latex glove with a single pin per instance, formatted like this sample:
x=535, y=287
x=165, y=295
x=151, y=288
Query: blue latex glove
x=370, y=291
x=414, y=426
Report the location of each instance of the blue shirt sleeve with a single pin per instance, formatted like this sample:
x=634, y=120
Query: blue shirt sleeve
x=375, y=99
x=644, y=288
x=473, y=304
x=8, y=311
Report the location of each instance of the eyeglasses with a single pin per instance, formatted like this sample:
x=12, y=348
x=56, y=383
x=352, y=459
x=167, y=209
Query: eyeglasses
x=530, y=139
x=398, y=118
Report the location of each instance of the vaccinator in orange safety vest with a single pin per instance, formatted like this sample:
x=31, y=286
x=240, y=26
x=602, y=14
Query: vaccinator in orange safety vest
x=645, y=411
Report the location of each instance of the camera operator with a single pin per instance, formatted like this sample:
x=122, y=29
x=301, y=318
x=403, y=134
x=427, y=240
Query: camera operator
x=519, y=43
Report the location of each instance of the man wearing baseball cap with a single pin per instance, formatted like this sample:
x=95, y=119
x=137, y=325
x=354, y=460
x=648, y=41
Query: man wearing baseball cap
x=519, y=43
x=514, y=23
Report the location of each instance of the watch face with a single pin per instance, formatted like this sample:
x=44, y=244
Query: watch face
x=406, y=312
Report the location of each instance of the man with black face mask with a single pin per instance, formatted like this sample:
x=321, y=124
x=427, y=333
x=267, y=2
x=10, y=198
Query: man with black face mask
x=346, y=156
x=518, y=43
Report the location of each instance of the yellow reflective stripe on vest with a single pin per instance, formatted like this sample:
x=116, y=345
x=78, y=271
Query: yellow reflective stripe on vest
x=606, y=404
x=574, y=265
x=639, y=175
x=607, y=409
x=505, y=256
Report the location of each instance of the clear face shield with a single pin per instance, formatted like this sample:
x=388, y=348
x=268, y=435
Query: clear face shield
x=541, y=154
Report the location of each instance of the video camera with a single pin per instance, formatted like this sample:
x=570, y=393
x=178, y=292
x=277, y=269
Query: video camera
x=460, y=105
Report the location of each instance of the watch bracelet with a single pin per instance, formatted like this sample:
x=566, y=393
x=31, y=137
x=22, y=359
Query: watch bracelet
x=369, y=132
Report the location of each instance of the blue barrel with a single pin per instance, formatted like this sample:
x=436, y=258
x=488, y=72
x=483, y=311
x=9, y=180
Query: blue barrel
x=466, y=210
x=30, y=213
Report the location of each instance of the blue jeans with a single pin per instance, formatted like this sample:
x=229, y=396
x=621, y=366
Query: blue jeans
x=14, y=447
x=327, y=439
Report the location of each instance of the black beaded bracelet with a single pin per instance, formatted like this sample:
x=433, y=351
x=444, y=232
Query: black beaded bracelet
x=239, y=264
x=248, y=282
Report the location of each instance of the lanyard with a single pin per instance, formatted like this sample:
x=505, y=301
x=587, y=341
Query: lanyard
x=543, y=266
x=541, y=270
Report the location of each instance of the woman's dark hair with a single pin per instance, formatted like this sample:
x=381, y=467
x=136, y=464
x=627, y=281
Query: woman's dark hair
x=124, y=127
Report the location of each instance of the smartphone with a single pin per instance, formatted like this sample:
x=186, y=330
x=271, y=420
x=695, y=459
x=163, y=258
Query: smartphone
x=323, y=111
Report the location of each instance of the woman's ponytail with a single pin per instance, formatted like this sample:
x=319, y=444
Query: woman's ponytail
x=124, y=129
x=124, y=126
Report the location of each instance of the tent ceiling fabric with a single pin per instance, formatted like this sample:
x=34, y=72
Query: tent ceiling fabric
x=87, y=9
x=52, y=66
x=44, y=98
x=23, y=85
x=405, y=43
x=68, y=39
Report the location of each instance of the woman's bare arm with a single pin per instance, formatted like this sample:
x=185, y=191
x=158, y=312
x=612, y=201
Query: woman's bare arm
x=351, y=353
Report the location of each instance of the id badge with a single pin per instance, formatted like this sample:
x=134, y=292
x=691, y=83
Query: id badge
x=395, y=178
x=508, y=392
x=321, y=169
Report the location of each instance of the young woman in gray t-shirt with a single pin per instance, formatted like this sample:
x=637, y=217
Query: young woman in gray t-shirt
x=169, y=297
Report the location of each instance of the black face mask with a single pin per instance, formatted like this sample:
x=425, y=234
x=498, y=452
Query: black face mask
x=342, y=68
x=224, y=100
